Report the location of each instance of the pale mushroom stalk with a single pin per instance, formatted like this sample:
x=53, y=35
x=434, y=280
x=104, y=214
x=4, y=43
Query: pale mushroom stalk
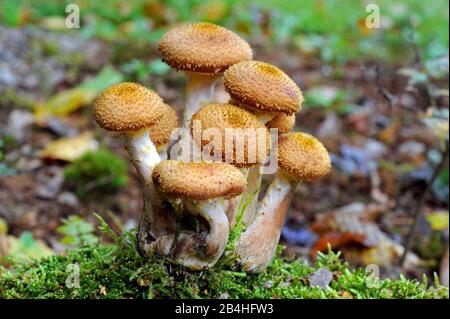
x=234, y=205
x=258, y=243
x=250, y=195
x=157, y=225
x=197, y=251
x=199, y=90
x=301, y=157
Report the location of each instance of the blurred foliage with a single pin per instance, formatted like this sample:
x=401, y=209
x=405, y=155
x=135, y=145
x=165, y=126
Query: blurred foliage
x=5, y=169
x=100, y=170
x=139, y=71
x=334, y=28
x=70, y=100
x=77, y=232
x=24, y=249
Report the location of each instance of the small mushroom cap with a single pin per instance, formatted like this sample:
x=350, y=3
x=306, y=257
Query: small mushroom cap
x=198, y=181
x=223, y=116
x=263, y=86
x=203, y=47
x=127, y=107
x=161, y=130
x=303, y=156
x=283, y=122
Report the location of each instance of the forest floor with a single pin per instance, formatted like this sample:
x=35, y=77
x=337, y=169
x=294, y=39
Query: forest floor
x=382, y=149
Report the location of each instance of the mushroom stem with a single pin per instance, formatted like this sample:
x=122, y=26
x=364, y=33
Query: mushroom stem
x=199, y=250
x=143, y=153
x=157, y=225
x=257, y=244
x=251, y=194
x=199, y=89
x=162, y=151
x=232, y=206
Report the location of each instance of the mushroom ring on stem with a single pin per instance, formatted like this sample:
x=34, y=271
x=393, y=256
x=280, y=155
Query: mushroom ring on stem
x=132, y=109
x=301, y=157
x=202, y=188
x=203, y=51
x=241, y=139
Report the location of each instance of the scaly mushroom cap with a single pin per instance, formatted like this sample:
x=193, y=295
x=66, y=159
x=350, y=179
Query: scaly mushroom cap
x=303, y=156
x=263, y=87
x=203, y=47
x=127, y=107
x=161, y=130
x=198, y=181
x=222, y=116
x=283, y=122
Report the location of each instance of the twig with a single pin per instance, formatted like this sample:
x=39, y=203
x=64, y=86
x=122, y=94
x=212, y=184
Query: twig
x=421, y=202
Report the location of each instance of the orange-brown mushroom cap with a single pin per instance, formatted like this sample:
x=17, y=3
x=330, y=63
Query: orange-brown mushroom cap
x=161, y=130
x=283, y=122
x=198, y=181
x=303, y=156
x=263, y=86
x=227, y=116
x=203, y=47
x=127, y=107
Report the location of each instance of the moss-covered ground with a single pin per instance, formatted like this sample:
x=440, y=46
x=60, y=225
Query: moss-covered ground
x=118, y=271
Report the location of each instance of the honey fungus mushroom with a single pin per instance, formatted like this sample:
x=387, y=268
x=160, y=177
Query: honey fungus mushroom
x=202, y=188
x=262, y=88
x=301, y=157
x=203, y=51
x=246, y=145
x=132, y=109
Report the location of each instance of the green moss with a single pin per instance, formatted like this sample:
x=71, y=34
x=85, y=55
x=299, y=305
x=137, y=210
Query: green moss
x=118, y=271
x=100, y=170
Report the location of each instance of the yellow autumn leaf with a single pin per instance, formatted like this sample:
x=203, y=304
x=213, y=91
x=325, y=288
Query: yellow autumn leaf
x=69, y=148
x=65, y=102
x=438, y=220
x=55, y=23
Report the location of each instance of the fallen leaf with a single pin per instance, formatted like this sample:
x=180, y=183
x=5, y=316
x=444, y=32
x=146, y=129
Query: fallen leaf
x=438, y=220
x=65, y=102
x=69, y=148
x=336, y=240
x=71, y=100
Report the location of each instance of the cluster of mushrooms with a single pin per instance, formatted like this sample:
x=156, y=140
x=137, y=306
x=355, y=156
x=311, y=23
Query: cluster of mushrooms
x=192, y=205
